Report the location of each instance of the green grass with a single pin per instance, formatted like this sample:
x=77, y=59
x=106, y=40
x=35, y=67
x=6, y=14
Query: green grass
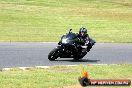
x=61, y=76
x=47, y=20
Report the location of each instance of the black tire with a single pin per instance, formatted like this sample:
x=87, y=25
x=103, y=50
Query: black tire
x=53, y=54
x=78, y=57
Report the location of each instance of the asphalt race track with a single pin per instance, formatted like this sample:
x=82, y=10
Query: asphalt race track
x=27, y=54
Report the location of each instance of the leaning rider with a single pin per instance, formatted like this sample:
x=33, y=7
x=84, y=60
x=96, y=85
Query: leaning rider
x=84, y=37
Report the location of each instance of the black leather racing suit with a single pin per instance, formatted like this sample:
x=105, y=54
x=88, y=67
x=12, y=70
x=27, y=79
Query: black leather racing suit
x=85, y=40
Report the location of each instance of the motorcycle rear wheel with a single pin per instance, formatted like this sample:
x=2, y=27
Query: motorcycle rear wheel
x=78, y=56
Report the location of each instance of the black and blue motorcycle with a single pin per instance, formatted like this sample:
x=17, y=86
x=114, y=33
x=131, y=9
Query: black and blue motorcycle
x=70, y=46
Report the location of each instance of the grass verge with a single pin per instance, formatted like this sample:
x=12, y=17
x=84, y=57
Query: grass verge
x=47, y=20
x=62, y=76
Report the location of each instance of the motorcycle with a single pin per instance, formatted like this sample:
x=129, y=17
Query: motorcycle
x=70, y=46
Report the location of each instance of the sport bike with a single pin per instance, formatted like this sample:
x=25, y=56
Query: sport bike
x=70, y=46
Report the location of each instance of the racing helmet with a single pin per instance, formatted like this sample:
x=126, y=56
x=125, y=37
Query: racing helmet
x=83, y=31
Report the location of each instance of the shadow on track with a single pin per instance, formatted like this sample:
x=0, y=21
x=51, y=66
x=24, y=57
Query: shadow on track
x=82, y=60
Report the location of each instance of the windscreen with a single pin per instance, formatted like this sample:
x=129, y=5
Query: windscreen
x=70, y=36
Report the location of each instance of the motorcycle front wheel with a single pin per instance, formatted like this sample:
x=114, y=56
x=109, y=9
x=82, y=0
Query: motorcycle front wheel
x=54, y=54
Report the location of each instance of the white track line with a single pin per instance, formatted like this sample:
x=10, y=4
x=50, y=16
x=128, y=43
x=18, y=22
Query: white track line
x=44, y=67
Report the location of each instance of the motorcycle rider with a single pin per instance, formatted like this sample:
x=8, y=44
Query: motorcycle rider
x=84, y=38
